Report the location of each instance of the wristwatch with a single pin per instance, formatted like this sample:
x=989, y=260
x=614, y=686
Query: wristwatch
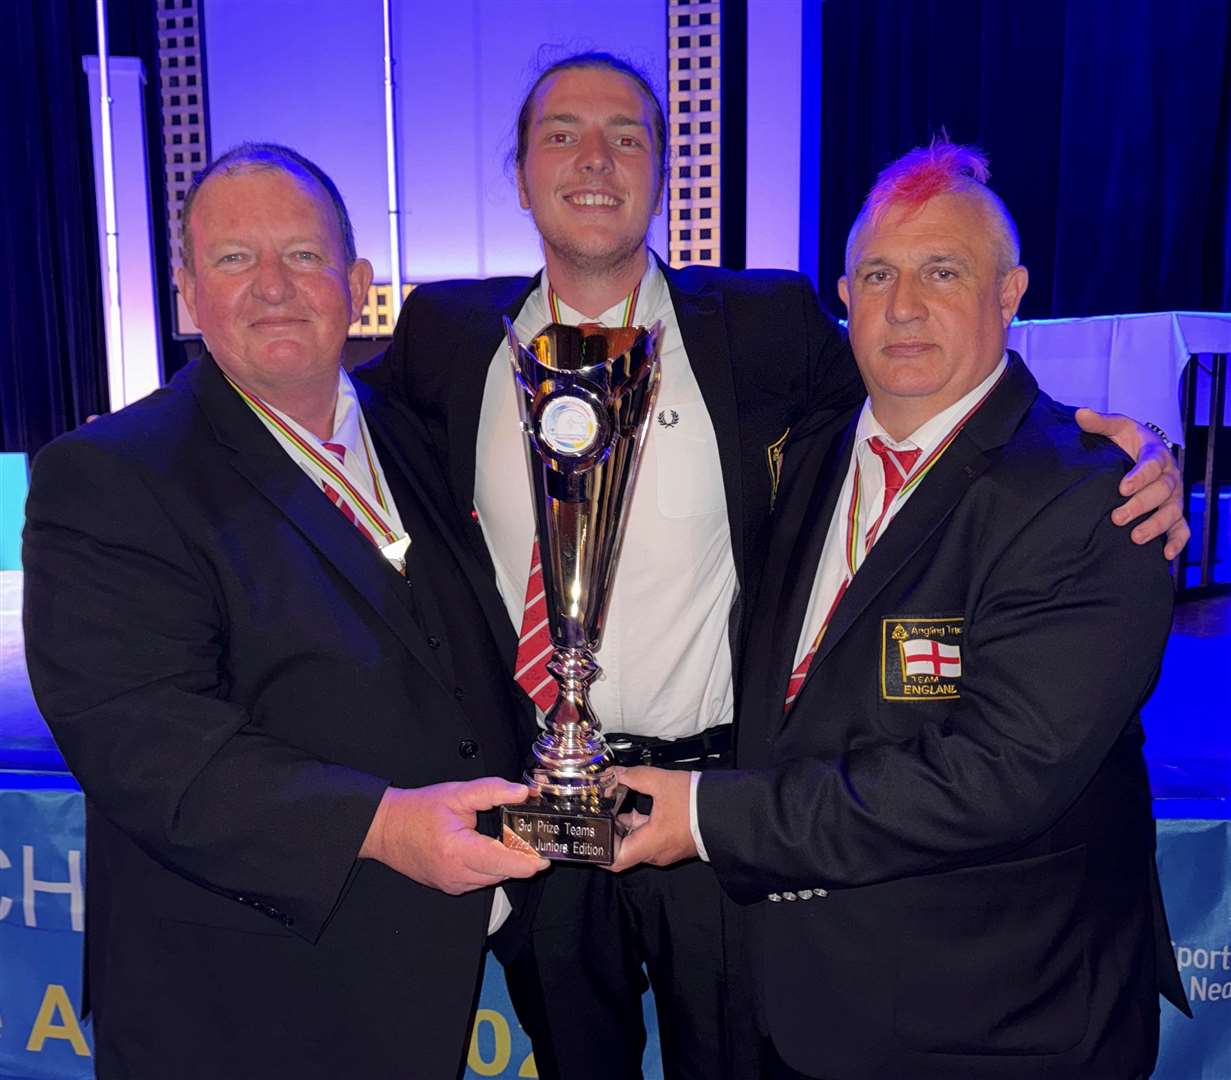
x=1162, y=435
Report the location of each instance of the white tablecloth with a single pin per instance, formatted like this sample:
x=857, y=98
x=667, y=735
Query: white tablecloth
x=1121, y=363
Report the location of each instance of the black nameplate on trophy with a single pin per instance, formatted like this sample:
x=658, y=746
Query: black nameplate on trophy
x=564, y=833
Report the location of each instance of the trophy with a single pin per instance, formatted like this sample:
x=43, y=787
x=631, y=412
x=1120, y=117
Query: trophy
x=585, y=394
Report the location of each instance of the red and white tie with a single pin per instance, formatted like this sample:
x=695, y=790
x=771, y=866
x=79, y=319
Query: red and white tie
x=335, y=497
x=896, y=466
x=534, y=642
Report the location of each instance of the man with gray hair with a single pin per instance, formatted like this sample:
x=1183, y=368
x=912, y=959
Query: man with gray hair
x=269, y=659
x=939, y=822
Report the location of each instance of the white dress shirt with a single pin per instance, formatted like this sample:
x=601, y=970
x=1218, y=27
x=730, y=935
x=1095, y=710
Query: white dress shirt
x=832, y=570
x=350, y=430
x=665, y=654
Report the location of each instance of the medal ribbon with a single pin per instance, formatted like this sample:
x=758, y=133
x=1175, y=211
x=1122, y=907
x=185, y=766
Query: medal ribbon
x=376, y=520
x=856, y=552
x=630, y=305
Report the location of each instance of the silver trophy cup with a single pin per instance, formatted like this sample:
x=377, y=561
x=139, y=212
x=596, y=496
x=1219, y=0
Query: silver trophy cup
x=586, y=395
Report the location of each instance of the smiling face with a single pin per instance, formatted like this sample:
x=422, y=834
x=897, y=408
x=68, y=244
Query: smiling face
x=929, y=306
x=590, y=177
x=269, y=287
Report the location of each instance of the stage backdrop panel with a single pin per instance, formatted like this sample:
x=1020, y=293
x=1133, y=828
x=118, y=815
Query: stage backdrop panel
x=460, y=71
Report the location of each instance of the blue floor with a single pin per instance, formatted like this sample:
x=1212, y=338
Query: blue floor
x=24, y=740
x=1188, y=718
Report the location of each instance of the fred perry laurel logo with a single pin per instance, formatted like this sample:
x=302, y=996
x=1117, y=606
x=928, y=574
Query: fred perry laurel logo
x=921, y=658
x=668, y=418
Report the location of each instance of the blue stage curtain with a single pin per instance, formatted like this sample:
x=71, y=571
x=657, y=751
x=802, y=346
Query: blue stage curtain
x=53, y=366
x=1108, y=125
x=52, y=356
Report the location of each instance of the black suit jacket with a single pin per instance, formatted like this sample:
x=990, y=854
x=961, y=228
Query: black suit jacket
x=763, y=351
x=970, y=860
x=235, y=674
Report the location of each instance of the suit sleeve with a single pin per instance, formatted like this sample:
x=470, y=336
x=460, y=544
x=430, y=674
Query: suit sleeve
x=1061, y=649
x=834, y=382
x=126, y=649
x=411, y=371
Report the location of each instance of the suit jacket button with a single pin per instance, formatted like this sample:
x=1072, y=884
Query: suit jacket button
x=789, y=896
x=468, y=748
x=774, y=897
x=433, y=642
x=822, y=893
x=805, y=894
x=459, y=693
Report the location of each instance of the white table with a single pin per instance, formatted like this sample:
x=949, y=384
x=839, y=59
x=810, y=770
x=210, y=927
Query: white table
x=1129, y=364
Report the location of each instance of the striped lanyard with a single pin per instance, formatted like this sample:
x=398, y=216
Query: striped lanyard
x=630, y=305
x=856, y=552
x=328, y=471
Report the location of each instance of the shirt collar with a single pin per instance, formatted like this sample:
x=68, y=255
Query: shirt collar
x=929, y=434
x=346, y=414
x=653, y=292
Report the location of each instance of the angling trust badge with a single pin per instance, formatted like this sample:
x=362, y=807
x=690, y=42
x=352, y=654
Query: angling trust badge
x=921, y=659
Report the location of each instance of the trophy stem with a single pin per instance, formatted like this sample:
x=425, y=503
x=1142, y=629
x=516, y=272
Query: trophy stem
x=572, y=759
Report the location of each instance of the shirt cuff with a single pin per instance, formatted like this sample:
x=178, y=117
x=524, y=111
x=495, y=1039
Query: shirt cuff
x=693, y=824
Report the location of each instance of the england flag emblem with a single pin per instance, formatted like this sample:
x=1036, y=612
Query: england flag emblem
x=921, y=656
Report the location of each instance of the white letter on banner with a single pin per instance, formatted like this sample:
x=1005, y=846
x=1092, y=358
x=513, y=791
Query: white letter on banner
x=6, y=905
x=72, y=887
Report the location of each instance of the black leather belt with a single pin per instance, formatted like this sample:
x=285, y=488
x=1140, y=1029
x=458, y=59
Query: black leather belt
x=713, y=746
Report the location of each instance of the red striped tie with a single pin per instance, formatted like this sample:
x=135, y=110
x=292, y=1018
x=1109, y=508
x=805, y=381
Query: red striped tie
x=534, y=643
x=896, y=465
x=339, y=451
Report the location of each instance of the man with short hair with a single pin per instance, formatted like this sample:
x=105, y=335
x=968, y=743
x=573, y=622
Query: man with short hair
x=745, y=357
x=940, y=823
x=266, y=655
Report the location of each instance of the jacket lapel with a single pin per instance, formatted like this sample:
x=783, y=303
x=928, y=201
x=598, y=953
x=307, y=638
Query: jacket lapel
x=482, y=335
x=799, y=574
x=935, y=499
x=392, y=428
x=702, y=322
x=266, y=466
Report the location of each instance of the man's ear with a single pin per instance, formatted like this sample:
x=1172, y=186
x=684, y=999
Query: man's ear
x=1012, y=289
x=187, y=285
x=523, y=196
x=359, y=278
x=844, y=291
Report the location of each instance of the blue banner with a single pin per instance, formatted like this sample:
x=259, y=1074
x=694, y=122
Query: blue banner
x=42, y=917
x=1194, y=864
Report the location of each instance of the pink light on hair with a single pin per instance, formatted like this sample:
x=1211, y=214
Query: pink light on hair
x=939, y=169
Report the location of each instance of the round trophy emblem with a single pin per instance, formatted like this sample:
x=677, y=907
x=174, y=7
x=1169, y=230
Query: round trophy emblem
x=568, y=425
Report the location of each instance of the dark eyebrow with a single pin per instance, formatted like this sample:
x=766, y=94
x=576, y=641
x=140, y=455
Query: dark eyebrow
x=874, y=260
x=620, y=120
x=947, y=257
x=615, y=120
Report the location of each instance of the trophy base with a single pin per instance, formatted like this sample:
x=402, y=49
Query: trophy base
x=562, y=830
